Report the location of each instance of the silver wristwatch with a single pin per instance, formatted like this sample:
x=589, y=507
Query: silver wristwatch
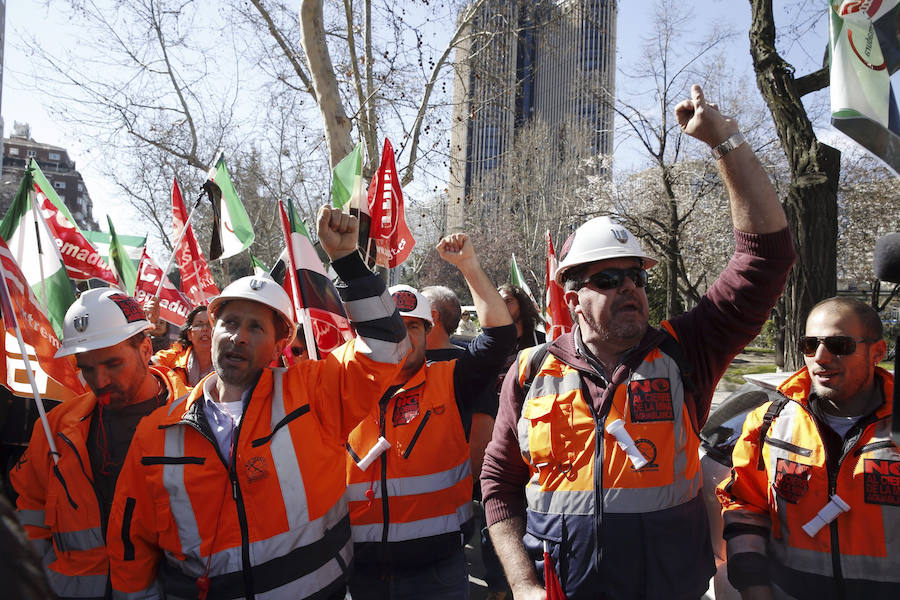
x=728, y=145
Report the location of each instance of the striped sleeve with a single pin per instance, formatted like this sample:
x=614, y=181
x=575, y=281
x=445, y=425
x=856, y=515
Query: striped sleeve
x=371, y=310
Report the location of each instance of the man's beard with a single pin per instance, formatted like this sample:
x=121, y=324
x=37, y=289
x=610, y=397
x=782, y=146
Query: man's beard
x=621, y=332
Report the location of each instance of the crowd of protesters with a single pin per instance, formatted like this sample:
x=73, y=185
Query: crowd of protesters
x=229, y=465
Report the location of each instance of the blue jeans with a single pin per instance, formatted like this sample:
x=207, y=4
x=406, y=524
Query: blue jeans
x=445, y=579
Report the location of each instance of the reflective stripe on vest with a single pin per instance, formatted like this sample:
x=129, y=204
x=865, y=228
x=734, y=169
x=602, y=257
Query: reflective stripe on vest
x=413, y=530
x=35, y=518
x=150, y=593
x=71, y=586
x=86, y=539
x=411, y=486
x=555, y=411
x=283, y=546
x=879, y=532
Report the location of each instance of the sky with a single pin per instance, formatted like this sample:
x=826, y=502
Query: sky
x=22, y=103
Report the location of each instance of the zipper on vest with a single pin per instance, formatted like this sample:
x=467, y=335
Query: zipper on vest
x=242, y=513
x=93, y=489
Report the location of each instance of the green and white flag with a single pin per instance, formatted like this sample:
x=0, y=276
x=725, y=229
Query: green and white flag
x=516, y=278
x=132, y=244
x=120, y=261
x=259, y=269
x=864, y=51
x=346, y=180
x=34, y=248
x=232, y=231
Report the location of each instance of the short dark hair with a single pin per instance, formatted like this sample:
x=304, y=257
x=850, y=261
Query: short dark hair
x=282, y=328
x=867, y=316
x=445, y=302
x=188, y=323
x=137, y=339
x=528, y=310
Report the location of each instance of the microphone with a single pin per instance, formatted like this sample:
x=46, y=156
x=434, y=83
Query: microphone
x=887, y=258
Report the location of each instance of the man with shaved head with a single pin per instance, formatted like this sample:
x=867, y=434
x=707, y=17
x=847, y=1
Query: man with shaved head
x=812, y=508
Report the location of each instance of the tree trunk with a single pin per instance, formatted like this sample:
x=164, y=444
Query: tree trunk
x=337, y=125
x=811, y=203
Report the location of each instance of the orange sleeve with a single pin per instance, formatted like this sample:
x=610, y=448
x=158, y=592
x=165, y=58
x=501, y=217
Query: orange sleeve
x=747, y=488
x=29, y=480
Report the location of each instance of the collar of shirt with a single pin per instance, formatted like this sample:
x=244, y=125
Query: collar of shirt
x=221, y=422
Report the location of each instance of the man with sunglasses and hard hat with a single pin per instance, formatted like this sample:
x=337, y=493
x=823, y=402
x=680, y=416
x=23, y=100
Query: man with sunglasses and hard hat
x=594, y=458
x=812, y=508
x=237, y=491
x=65, y=508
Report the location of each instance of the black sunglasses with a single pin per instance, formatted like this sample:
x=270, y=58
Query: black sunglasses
x=609, y=279
x=839, y=345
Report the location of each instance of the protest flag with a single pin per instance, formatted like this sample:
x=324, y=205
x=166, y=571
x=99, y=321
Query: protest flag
x=311, y=289
x=34, y=249
x=121, y=262
x=388, y=231
x=346, y=180
x=174, y=306
x=259, y=269
x=196, y=279
x=560, y=320
x=864, y=50
x=516, y=278
x=232, y=232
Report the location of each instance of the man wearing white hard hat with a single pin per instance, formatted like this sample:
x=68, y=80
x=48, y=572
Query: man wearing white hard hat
x=65, y=508
x=594, y=457
x=237, y=491
x=408, y=468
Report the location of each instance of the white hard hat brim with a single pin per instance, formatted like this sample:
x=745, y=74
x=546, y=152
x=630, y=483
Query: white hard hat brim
x=89, y=343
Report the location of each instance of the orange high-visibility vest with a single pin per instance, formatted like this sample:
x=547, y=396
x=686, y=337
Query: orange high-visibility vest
x=271, y=524
x=861, y=546
x=422, y=485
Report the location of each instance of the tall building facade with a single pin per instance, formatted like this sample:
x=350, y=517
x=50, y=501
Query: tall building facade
x=547, y=62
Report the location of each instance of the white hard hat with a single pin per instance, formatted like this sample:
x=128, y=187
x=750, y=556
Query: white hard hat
x=100, y=318
x=411, y=303
x=600, y=239
x=264, y=290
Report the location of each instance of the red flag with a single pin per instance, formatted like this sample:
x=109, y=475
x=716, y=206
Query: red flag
x=551, y=580
x=81, y=259
x=388, y=229
x=173, y=305
x=196, y=280
x=309, y=287
x=558, y=315
x=56, y=378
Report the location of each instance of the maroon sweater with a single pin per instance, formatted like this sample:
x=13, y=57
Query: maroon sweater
x=726, y=319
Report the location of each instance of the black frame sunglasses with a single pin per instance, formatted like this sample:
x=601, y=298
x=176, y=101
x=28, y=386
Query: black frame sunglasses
x=838, y=345
x=609, y=279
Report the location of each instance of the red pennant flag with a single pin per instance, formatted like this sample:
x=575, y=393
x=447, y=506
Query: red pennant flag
x=551, y=580
x=388, y=230
x=308, y=285
x=560, y=320
x=56, y=378
x=173, y=305
x=196, y=280
x=81, y=259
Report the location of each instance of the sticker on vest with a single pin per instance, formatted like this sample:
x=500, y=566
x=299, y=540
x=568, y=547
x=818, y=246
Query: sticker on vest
x=791, y=480
x=651, y=400
x=648, y=449
x=406, y=409
x=882, y=481
x=256, y=468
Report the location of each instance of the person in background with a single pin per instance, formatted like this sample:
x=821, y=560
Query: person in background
x=65, y=507
x=525, y=315
x=812, y=508
x=190, y=359
x=411, y=500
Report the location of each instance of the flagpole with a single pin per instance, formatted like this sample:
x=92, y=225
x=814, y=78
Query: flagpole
x=178, y=243
x=34, y=389
x=311, y=347
x=40, y=249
